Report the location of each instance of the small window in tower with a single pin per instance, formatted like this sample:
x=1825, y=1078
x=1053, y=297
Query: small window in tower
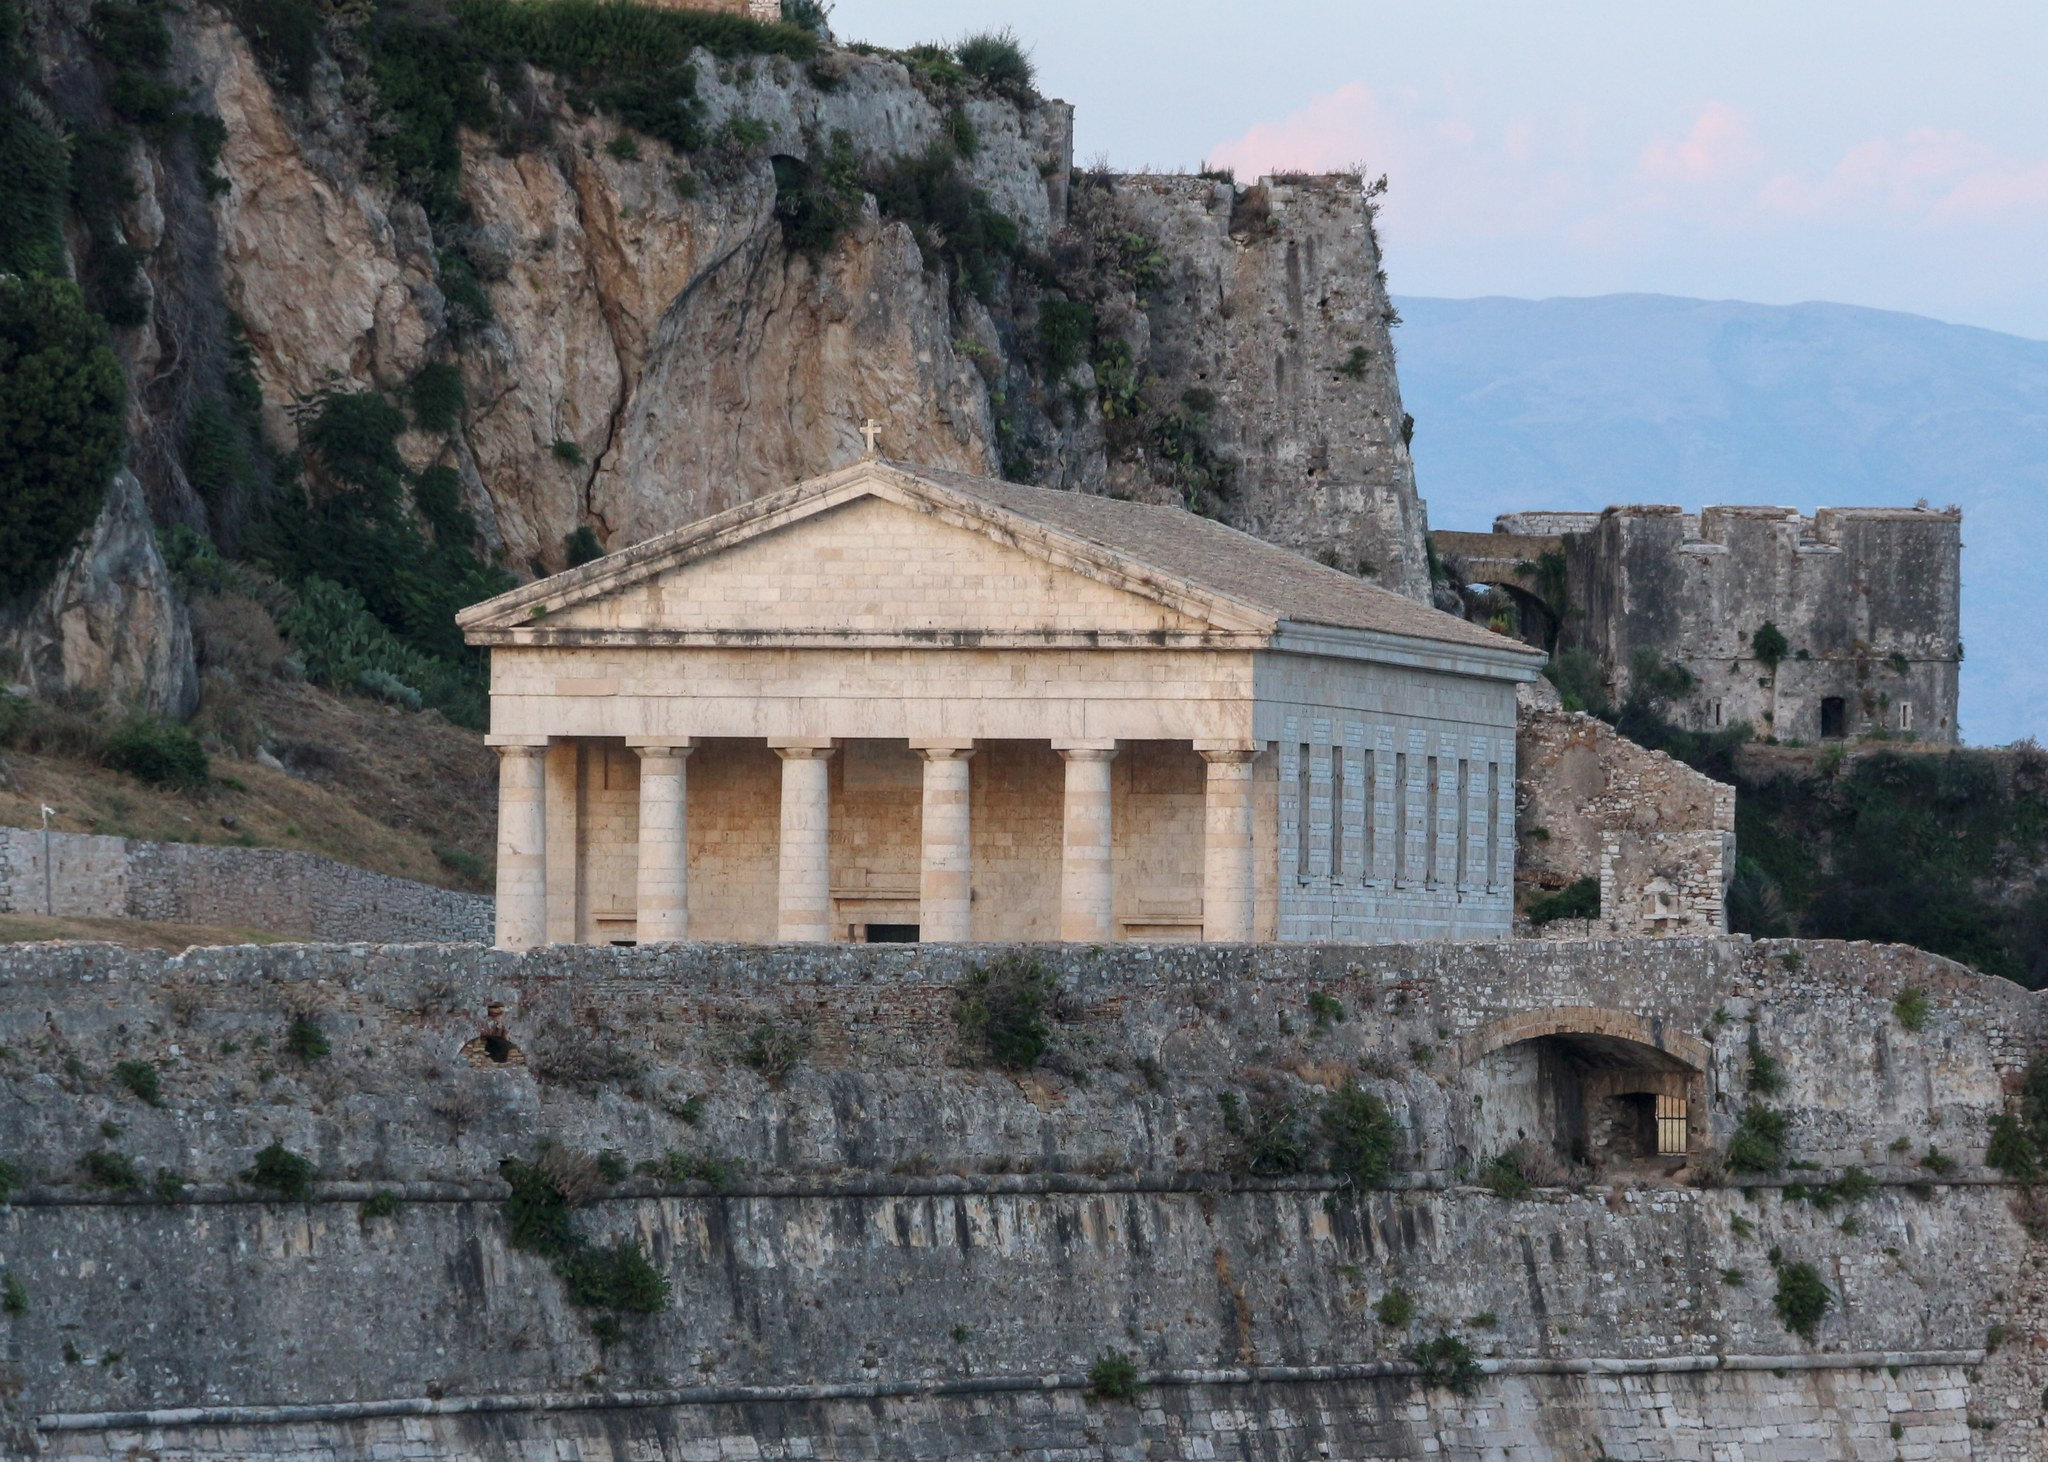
x=1905, y=715
x=1834, y=718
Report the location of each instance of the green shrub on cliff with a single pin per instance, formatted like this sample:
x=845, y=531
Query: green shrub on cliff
x=1360, y=1135
x=62, y=401
x=999, y=61
x=142, y=1080
x=32, y=166
x=618, y=1279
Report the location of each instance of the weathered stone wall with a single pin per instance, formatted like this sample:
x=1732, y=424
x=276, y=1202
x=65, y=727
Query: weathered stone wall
x=265, y=890
x=1868, y=599
x=915, y=1255
x=1659, y=836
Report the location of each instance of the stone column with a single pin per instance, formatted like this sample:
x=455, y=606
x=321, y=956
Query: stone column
x=945, y=882
x=1087, y=877
x=662, y=905
x=522, y=906
x=1227, y=844
x=803, y=907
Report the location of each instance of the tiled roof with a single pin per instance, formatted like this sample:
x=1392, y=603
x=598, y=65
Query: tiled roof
x=1222, y=560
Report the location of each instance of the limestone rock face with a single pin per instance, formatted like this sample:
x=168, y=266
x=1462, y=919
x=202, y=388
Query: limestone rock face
x=330, y=276
x=656, y=352
x=112, y=622
x=1276, y=304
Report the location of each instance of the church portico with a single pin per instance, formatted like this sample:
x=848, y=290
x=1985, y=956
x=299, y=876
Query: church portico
x=894, y=704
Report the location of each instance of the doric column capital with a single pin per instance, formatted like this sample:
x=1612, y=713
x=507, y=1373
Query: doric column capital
x=646, y=746
x=943, y=750
x=806, y=750
x=510, y=747
x=1086, y=750
x=1226, y=754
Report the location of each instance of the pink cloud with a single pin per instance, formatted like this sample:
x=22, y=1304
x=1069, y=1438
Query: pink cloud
x=1929, y=177
x=1339, y=129
x=1719, y=144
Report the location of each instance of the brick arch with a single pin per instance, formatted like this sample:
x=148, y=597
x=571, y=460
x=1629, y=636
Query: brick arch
x=1584, y=1020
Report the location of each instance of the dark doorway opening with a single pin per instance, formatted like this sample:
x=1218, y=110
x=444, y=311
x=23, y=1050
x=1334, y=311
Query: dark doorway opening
x=1834, y=718
x=890, y=933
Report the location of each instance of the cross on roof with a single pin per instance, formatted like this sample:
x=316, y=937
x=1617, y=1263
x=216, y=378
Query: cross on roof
x=871, y=432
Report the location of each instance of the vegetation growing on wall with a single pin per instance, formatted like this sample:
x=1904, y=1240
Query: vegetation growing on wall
x=614, y=1280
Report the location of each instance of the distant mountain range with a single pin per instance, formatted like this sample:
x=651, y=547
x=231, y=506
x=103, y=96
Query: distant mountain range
x=1579, y=403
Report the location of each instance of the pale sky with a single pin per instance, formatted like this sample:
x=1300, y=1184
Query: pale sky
x=1882, y=153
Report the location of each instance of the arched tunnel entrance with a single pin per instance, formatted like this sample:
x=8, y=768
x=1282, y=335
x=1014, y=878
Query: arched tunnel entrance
x=1595, y=1090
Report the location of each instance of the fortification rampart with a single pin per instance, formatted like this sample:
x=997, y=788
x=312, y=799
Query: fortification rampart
x=268, y=890
x=1867, y=600
x=881, y=1246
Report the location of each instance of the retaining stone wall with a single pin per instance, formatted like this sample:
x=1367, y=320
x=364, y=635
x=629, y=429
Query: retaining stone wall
x=274, y=890
x=917, y=1255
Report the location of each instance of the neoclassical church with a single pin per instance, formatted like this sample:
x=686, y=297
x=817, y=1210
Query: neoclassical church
x=893, y=703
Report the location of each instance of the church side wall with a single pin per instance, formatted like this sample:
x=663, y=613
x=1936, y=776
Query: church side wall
x=1411, y=866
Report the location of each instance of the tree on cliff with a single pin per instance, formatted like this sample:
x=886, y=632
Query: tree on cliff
x=62, y=399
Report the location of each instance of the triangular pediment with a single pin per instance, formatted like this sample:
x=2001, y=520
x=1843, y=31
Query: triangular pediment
x=868, y=554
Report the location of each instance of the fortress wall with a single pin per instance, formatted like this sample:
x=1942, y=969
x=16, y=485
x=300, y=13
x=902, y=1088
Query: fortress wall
x=273, y=890
x=1868, y=600
x=918, y=1255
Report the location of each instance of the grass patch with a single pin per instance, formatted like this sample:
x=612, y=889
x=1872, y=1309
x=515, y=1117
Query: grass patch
x=714, y=1172
x=381, y=1204
x=1913, y=1008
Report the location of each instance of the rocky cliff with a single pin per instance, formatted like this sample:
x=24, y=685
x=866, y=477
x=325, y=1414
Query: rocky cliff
x=642, y=290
